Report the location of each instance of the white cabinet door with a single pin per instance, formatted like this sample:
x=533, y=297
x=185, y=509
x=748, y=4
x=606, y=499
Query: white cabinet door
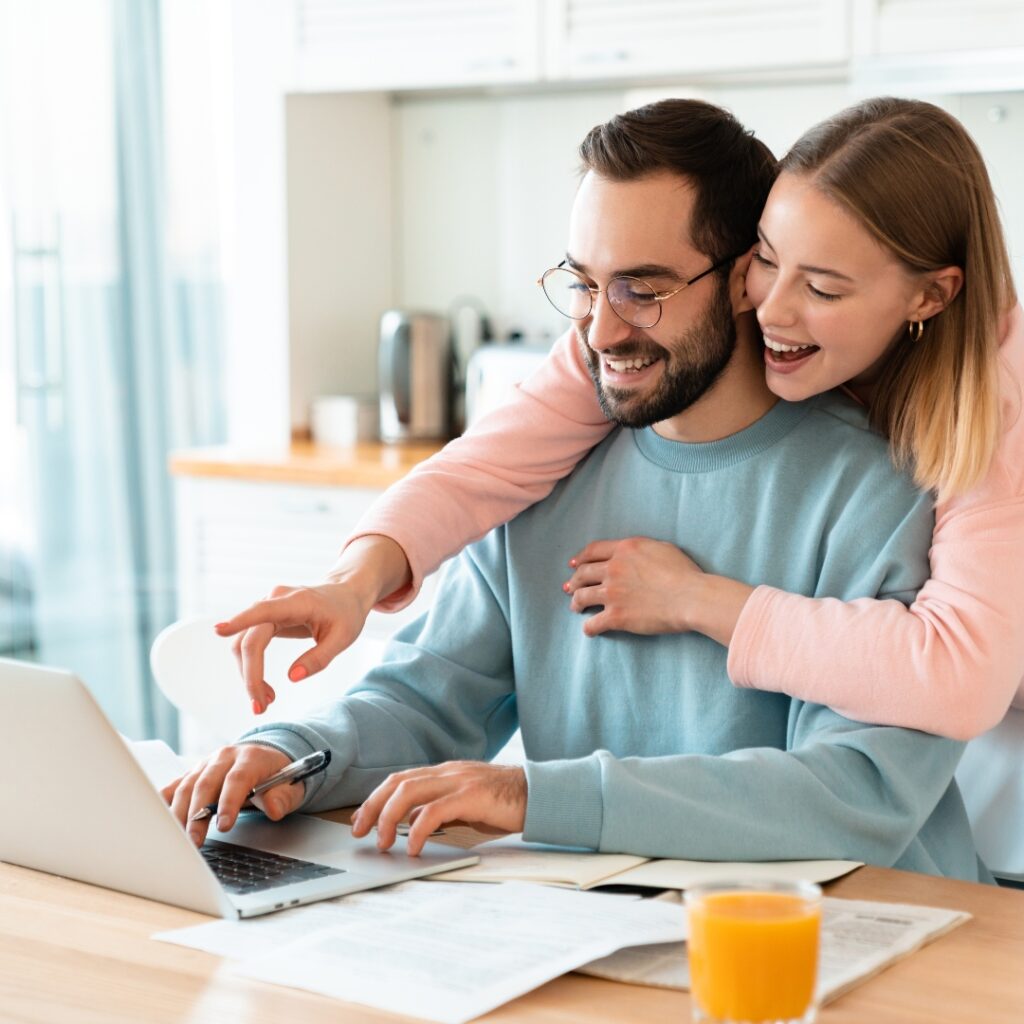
x=892, y=27
x=594, y=39
x=237, y=539
x=408, y=44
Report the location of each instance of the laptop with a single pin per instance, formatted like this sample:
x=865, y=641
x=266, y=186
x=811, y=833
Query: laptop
x=74, y=802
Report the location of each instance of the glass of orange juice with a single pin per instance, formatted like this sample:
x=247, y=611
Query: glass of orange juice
x=753, y=950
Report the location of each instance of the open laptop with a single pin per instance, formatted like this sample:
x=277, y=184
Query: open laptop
x=74, y=802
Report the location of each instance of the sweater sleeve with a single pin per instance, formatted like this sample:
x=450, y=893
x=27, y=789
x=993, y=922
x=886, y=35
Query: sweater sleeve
x=953, y=661
x=508, y=461
x=444, y=691
x=841, y=790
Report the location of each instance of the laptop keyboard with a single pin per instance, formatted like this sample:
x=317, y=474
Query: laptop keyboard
x=244, y=870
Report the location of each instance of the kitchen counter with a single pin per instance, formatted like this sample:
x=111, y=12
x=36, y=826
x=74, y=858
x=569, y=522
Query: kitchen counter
x=366, y=464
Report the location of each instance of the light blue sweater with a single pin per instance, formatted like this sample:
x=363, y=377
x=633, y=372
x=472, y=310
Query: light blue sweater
x=641, y=744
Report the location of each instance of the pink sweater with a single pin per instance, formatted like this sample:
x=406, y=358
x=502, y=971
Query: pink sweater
x=950, y=664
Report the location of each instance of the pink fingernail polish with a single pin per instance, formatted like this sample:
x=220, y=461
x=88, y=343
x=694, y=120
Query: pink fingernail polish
x=298, y=673
x=257, y=709
x=572, y=563
x=565, y=587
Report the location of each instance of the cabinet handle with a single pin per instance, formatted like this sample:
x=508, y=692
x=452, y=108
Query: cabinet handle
x=493, y=64
x=604, y=57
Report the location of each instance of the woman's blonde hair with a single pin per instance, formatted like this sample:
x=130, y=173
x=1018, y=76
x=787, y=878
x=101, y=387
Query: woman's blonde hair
x=911, y=174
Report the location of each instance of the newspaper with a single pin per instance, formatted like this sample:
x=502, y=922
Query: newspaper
x=859, y=938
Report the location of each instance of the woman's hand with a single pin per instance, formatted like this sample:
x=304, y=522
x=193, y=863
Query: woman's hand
x=649, y=586
x=644, y=586
x=333, y=613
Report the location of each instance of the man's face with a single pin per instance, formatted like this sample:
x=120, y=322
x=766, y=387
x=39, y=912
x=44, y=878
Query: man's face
x=641, y=229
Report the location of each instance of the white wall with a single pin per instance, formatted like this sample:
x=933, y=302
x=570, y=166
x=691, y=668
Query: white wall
x=485, y=185
x=480, y=191
x=340, y=242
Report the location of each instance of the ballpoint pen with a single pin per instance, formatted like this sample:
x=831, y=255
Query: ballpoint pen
x=294, y=772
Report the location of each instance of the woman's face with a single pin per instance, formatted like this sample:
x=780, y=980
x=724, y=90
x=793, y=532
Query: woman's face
x=831, y=301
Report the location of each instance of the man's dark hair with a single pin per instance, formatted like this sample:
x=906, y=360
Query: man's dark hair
x=730, y=170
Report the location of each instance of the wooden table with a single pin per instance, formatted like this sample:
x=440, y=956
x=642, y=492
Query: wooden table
x=70, y=952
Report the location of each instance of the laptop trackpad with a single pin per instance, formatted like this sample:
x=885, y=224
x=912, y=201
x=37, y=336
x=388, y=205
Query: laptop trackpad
x=326, y=842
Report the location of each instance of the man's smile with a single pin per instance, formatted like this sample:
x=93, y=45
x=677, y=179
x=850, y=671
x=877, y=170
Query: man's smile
x=619, y=372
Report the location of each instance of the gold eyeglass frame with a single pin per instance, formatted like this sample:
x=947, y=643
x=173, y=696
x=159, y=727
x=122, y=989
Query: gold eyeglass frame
x=595, y=291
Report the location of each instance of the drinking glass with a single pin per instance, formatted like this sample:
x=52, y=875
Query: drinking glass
x=753, y=950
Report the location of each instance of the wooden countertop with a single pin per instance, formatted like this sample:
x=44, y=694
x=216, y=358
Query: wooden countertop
x=367, y=464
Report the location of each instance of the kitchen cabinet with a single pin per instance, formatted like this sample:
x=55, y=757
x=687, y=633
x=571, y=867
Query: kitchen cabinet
x=906, y=27
x=398, y=44
x=409, y=44
x=603, y=39
x=245, y=525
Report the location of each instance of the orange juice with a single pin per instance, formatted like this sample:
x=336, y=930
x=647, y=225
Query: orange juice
x=754, y=951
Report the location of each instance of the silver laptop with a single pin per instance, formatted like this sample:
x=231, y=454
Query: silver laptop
x=74, y=802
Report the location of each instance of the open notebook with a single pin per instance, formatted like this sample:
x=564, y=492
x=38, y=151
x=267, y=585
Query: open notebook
x=509, y=859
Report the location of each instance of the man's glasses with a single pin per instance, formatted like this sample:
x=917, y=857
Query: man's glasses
x=632, y=299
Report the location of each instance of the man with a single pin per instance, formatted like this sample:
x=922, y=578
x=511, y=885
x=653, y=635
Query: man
x=639, y=744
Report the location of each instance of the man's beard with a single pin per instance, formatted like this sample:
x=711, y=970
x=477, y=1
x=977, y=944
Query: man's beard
x=695, y=362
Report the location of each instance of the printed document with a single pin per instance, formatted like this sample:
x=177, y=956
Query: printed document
x=449, y=954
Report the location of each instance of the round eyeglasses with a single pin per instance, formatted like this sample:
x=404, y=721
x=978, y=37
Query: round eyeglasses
x=632, y=299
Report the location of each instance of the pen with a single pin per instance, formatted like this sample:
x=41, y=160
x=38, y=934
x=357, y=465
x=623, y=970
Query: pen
x=294, y=772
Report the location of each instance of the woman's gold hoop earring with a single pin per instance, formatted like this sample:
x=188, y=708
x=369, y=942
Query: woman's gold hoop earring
x=915, y=328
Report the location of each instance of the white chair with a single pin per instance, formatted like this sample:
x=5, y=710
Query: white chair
x=196, y=670
x=991, y=779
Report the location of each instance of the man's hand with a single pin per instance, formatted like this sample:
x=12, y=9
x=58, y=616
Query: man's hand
x=225, y=779
x=470, y=792
x=645, y=586
x=332, y=613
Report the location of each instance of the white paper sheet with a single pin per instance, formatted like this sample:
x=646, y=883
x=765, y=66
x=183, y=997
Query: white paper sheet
x=858, y=939
x=261, y=936
x=448, y=953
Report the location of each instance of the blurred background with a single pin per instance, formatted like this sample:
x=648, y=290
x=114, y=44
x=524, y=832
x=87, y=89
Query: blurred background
x=207, y=205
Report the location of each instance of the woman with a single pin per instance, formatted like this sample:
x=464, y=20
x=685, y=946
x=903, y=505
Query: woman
x=903, y=187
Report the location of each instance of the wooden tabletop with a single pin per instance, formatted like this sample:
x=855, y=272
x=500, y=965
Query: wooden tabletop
x=76, y=954
x=366, y=464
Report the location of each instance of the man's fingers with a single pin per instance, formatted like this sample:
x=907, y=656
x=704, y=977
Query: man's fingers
x=431, y=817
x=280, y=801
x=587, y=597
x=233, y=793
x=207, y=790
x=372, y=807
x=181, y=796
x=170, y=789
x=408, y=794
x=595, y=551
